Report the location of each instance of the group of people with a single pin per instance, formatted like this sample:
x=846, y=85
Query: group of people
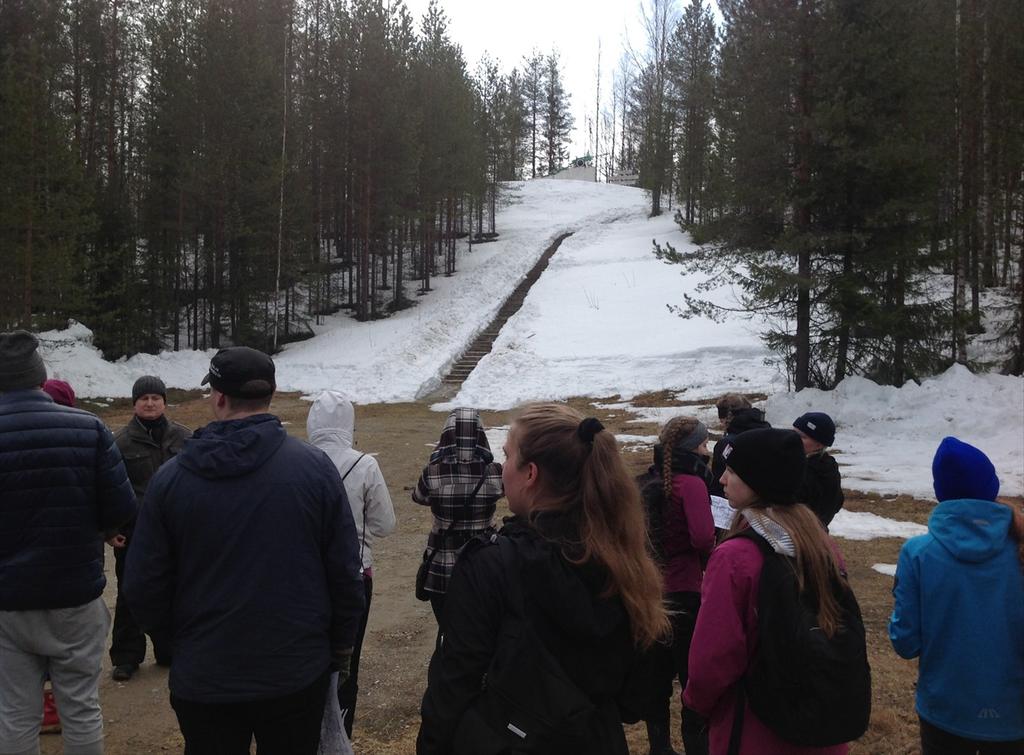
x=580, y=611
x=243, y=553
x=246, y=556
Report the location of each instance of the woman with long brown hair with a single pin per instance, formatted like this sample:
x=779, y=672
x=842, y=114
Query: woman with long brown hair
x=764, y=468
x=545, y=624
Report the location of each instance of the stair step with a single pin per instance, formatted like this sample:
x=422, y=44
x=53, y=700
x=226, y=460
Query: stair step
x=482, y=344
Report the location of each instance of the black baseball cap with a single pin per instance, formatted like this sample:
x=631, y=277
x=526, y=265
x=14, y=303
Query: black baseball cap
x=241, y=372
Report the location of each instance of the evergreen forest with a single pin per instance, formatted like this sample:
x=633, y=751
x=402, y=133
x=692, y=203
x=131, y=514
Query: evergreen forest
x=852, y=167
x=198, y=173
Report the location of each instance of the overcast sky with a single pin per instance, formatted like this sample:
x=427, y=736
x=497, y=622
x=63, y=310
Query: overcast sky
x=509, y=29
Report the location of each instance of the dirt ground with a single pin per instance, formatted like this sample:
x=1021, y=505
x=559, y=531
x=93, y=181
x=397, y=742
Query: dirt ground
x=401, y=629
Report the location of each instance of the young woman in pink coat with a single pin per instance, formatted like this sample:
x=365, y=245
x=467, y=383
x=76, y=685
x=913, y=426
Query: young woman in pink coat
x=763, y=472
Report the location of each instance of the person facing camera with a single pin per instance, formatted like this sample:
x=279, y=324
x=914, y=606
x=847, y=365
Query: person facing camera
x=146, y=442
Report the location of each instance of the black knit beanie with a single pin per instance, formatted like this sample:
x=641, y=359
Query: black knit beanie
x=20, y=364
x=148, y=384
x=770, y=461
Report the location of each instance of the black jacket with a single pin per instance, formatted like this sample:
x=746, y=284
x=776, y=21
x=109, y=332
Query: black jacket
x=742, y=420
x=245, y=555
x=62, y=488
x=143, y=454
x=589, y=634
x=822, y=487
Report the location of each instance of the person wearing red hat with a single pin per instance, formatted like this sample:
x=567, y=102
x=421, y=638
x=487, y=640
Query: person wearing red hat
x=60, y=391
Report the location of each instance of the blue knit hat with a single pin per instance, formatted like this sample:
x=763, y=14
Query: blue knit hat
x=962, y=471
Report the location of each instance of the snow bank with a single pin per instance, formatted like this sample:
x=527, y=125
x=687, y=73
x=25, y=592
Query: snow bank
x=887, y=569
x=886, y=436
x=70, y=355
x=863, y=525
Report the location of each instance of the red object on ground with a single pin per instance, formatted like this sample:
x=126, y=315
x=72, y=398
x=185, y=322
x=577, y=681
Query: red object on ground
x=51, y=721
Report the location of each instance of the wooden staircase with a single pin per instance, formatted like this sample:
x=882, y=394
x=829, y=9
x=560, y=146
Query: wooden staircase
x=482, y=344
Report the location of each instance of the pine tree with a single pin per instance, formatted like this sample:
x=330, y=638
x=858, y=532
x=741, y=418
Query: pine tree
x=556, y=120
x=692, y=74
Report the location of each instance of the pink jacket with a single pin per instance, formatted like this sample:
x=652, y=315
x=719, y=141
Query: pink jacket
x=723, y=645
x=689, y=533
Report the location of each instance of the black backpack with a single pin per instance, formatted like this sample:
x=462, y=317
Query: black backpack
x=527, y=703
x=808, y=688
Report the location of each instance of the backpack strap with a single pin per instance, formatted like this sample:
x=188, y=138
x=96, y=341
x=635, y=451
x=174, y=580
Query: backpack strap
x=736, y=737
x=349, y=471
x=362, y=537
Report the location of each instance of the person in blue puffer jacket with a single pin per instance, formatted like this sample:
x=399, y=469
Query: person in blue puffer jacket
x=63, y=490
x=959, y=607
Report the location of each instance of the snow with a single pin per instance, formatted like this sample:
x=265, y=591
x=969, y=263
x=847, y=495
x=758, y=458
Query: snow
x=596, y=324
x=887, y=569
x=886, y=436
x=863, y=525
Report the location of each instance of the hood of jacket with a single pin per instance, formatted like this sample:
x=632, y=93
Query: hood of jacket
x=568, y=595
x=746, y=419
x=233, y=447
x=462, y=440
x=331, y=418
x=972, y=530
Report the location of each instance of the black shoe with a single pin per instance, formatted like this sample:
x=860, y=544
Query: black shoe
x=124, y=672
x=163, y=661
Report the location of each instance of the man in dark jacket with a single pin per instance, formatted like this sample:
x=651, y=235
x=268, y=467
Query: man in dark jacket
x=246, y=556
x=146, y=442
x=63, y=488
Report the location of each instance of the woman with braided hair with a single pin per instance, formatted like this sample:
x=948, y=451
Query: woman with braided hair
x=682, y=534
x=546, y=623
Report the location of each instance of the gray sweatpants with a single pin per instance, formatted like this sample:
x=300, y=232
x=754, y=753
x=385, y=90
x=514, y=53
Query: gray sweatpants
x=68, y=643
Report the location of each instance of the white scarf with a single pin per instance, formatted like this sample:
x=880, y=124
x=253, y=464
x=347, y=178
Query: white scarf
x=776, y=535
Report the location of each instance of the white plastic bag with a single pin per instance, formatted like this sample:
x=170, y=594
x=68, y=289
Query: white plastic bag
x=333, y=739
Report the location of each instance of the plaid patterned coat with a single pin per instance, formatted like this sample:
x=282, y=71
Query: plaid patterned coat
x=460, y=460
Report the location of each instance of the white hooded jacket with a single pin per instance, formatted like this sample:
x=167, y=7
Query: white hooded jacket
x=330, y=425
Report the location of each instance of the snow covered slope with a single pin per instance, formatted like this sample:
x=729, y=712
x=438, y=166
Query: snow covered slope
x=596, y=324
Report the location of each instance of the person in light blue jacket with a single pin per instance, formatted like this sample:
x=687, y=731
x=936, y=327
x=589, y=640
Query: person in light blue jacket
x=959, y=607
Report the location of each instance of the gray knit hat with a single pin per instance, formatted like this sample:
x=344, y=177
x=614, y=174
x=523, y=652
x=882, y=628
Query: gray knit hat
x=20, y=363
x=148, y=384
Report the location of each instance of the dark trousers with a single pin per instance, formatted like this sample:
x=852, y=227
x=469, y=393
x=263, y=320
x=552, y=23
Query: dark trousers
x=437, y=606
x=288, y=725
x=127, y=641
x=349, y=691
x=683, y=607
x=936, y=741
